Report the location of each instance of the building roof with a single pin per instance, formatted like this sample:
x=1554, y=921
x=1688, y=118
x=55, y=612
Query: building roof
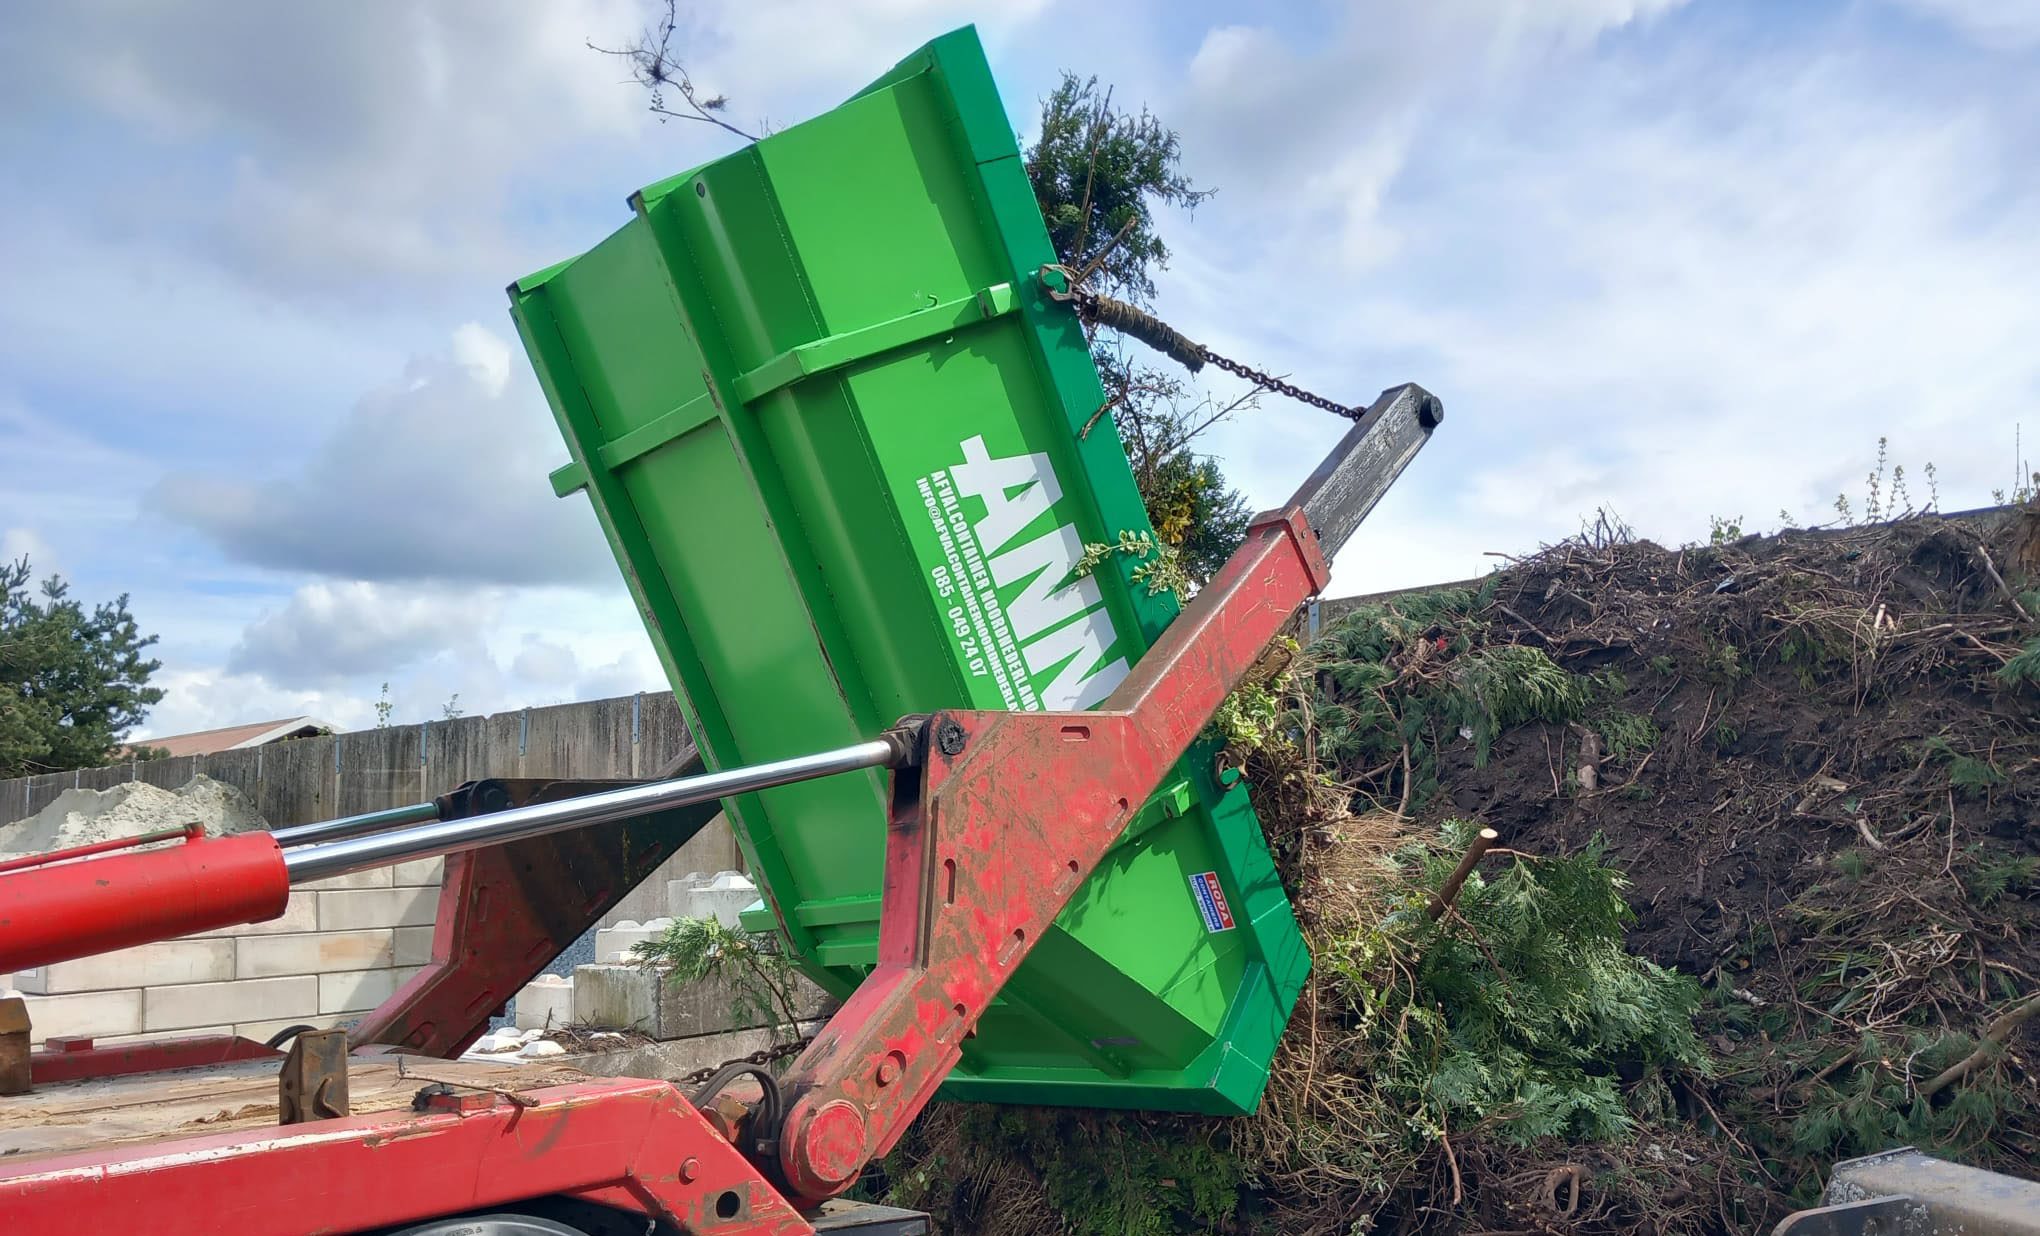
x=234, y=737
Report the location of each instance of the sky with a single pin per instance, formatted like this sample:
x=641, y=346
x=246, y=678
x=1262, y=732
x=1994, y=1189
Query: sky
x=1677, y=259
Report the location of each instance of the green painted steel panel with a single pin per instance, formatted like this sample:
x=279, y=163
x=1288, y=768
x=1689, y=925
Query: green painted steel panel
x=829, y=423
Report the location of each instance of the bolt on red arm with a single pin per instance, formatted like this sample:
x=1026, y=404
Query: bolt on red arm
x=1007, y=813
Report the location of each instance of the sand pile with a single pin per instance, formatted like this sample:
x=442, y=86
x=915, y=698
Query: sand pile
x=81, y=817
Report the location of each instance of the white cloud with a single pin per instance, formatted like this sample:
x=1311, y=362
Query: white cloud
x=438, y=475
x=18, y=543
x=367, y=143
x=1314, y=135
x=206, y=698
x=546, y=663
x=485, y=354
x=327, y=649
x=1684, y=284
x=330, y=632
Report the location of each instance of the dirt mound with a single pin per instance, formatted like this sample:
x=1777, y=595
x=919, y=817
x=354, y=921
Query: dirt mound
x=1810, y=765
x=1815, y=759
x=1815, y=697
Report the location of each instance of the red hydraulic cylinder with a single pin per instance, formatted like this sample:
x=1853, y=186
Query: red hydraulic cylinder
x=95, y=905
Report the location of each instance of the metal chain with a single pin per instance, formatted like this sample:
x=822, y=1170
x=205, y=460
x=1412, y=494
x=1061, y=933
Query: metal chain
x=1270, y=382
x=1091, y=306
x=763, y=1056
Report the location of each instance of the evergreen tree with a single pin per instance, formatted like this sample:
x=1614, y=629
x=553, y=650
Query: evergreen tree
x=1099, y=174
x=73, y=681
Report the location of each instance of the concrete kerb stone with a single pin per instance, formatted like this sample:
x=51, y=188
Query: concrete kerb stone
x=615, y=944
x=722, y=897
x=546, y=1003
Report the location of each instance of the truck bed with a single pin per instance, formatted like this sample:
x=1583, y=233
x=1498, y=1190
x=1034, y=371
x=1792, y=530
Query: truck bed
x=103, y=1113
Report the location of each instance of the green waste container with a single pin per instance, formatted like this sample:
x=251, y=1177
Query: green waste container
x=835, y=432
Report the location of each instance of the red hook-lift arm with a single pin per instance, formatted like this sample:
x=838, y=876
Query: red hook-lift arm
x=1007, y=813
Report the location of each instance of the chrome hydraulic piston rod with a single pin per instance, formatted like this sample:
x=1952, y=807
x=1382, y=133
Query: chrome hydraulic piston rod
x=100, y=902
x=356, y=825
x=402, y=845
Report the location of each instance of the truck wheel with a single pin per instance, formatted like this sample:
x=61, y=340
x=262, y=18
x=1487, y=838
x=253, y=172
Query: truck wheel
x=489, y=1225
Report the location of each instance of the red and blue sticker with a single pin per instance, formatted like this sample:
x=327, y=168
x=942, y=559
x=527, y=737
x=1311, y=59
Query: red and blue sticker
x=1211, y=906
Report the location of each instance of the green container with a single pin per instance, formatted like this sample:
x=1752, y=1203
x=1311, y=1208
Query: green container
x=833, y=429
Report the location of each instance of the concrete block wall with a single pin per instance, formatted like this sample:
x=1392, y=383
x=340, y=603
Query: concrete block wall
x=340, y=948
x=309, y=779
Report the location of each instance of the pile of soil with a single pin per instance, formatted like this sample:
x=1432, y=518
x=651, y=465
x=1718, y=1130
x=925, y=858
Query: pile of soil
x=1836, y=827
x=1814, y=759
x=1811, y=692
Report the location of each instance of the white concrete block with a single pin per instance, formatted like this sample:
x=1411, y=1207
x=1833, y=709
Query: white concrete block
x=546, y=1002
x=721, y=896
x=374, y=877
x=171, y=961
x=320, y=952
x=423, y=871
x=360, y=990
x=261, y=1030
x=162, y=1036
x=414, y=945
x=300, y=914
x=208, y=1004
x=377, y=907
x=614, y=998
x=614, y=944
x=496, y=1043
x=92, y=1013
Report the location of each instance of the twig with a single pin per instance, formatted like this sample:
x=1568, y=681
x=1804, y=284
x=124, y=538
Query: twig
x=1098, y=258
x=1723, y=1124
x=1402, y=810
x=1706, y=708
x=1840, y=1062
x=1103, y=408
x=1473, y=933
x=2011, y=598
x=1526, y=623
x=1191, y=435
x=2001, y=657
x=1451, y=1161
x=1557, y=1178
x=1863, y=828
x=1948, y=863
x=1994, y=1036
x=1449, y=891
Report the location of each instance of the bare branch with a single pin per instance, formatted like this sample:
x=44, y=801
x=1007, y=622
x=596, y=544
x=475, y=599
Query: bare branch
x=655, y=65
